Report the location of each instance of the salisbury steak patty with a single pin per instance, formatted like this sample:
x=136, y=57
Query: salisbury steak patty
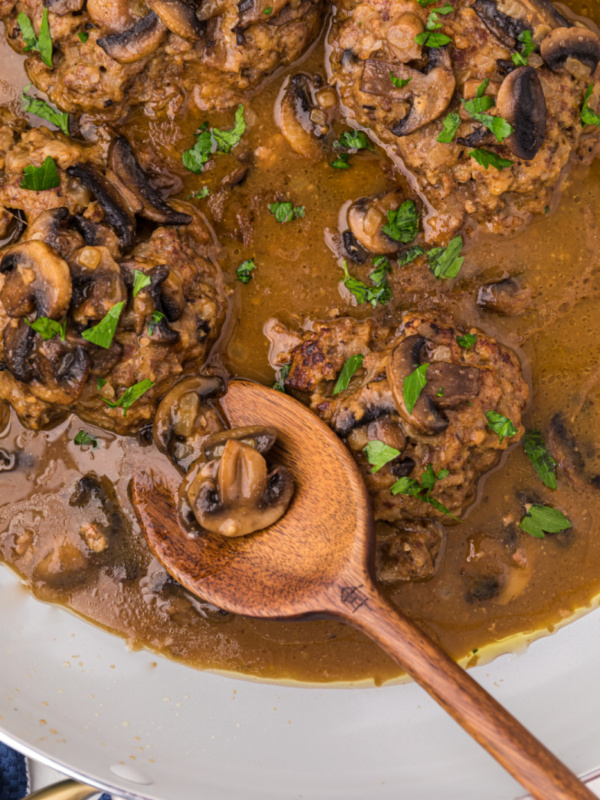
x=161, y=52
x=98, y=315
x=489, y=77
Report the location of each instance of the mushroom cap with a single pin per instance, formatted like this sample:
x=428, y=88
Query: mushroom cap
x=295, y=112
x=522, y=104
x=564, y=43
x=52, y=227
x=137, y=42
x=179, y=17
x=123, y=163
x=366, y=217
x=97, y=284
x=260, y=437
x=37, y=278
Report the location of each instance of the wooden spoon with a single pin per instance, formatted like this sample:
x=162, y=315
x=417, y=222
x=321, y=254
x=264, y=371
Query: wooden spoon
x=318, y=561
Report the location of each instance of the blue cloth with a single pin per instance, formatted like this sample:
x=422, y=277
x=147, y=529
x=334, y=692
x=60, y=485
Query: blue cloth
x=14, y=778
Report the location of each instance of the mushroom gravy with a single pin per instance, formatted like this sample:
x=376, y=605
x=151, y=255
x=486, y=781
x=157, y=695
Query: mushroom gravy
x=52, y=489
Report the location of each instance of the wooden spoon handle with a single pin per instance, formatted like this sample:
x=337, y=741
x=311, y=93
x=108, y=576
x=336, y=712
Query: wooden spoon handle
x=519, y=752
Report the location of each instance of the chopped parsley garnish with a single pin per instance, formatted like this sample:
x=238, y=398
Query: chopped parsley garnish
x=244, y=271
x=156, y=317
x=481, y=103
x=399, y=83
x=283, y=373
x=382, y=267
x=379, y=295
x=48, y=328
x=43, y=43
x=431, y=37
x=413, y=385
x=140, y=281
x=409, y=255
x=440, y=392
x=102, y=334
x=83, y=36
x=422, y=491
x=268, y=10
x=100, y=383
x=540, y=520
x=543, y=463
x=445, y=262
x=353, y=140
x=467, y=341
x=341, y=162
x=353, y=364
x=285, y=212
x=130, y=395
x=589, y=117
x=379, y=454
x=487, y=158
x=522, y=59
x=403, y=223
x=200, y=194
x=213, y=141
x=33, y=105
x=38, y=179
x=84, y=438
x=500, y=425
x=451, y=124
x=425, y=3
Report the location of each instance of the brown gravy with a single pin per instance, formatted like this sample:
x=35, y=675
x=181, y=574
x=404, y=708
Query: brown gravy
x=558, y=340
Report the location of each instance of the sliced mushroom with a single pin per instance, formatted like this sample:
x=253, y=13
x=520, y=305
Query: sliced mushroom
x=37, y=279
x=366, y=217
x=63, y=7
x=522, y=104
x=231, y=490
x=165, y=292
x=506, y=297
x=565, y=449
x=449, y=385
x=97, y=285
x=114, y=16
x=184, y=418
x=353, y=249
x=404, y=359
x=504, y=27
x=566, y=43
x=123, y=163
x=137, y=42
x=52, y=227
x=116, y=214
x=479, y=136
x=426, y=96
x=97, y=235
x=507, y=19
x=408, y=552
x=179, y=17
x=299, y=117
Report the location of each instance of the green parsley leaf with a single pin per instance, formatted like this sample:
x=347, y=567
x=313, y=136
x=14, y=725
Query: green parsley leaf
x=200, y=194
x=140, y=281
x=365, y=294
x=413, y=385
x=500, y=425
x=497, y=125
x=100, y=383
x=451, y=124
x=27, y=32
x=380, y=295
x=130, y=395
x=33, y=105
x=403, y=223
x=382, y=268
x=358, y=288
x=412, y=487
x=244, y=270
x=280, y=382
x=154, y=320
x=353, y=140
x=467, y=341
x=445, y=9
x=432, y=39
x=43, y=44
x=522, y=59
x=481, y=103
x=409, y=255
x=268, y=10
x=589, y=117
x=196, y=157
x=285, y=212
x=37, y=179
x=379, y=454
x=540, y=520
x=226, y=140
x=48, y=328
x=399, y=83
x=341, y=162
x=445, y=262
x=84, y=438
x=487, y=158
x=83, y=36
x=440, y=392
x=102, y=334
x=425, y=3
x=353, y=364
x=543, y=463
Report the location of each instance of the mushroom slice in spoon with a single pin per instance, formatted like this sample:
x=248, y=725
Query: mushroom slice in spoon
x=123, y=163
x=137, y=42
x=184, y=418
x=576, y=43
x=230, y=489
x=179, y=17
x=522, y=104
x=37, y=279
